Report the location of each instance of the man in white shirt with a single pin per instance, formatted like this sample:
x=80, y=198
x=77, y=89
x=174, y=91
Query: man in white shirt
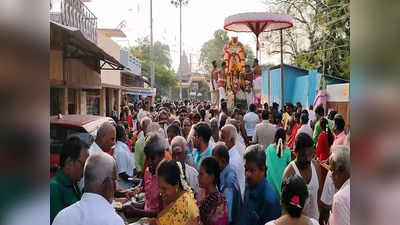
x=251, y=119
x=340, y=168
x=105, y=139
x=228, y=136
x=265, y=131
x=95, y=207
x=179, y=146
x=311, y=115
x=305, y=128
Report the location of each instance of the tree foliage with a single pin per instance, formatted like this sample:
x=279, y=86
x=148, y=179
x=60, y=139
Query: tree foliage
x=165, y=77
x=213, y=49
x=320, y=38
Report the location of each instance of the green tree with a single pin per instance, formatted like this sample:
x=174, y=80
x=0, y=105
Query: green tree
x=213, y=50
x=320, y=37
x=165, y=77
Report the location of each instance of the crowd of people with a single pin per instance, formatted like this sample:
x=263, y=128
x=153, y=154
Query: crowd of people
x=199, y=165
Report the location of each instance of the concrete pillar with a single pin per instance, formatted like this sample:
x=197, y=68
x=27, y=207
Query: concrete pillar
x=119, y=101
x=110, y=96
x=64, y=101
x=103, y=102
x=82, y=102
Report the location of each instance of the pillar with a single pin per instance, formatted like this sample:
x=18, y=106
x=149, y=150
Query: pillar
x=64, y=101
x=103, y=102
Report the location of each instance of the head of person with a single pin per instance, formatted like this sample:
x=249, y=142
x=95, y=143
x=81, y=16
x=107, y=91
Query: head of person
x=319, y=111
x=223, y=64
x=338, y=124
x=144, y=124
x=178, y=147
x=163, y=118
x=294, y=195
x=252, y=108
x=266, y=107
x=310, y=107
x=120, y=133
x=247, y=68
x=265, y=114
x=304, y=150
x=221, y=153
x=196, y=118
x=255, y=167
x=299, y=107
x=325, y=127
x=154, y=150
x=105, y=137
x=202, y=135
x=214, y=64
x=100, y=175
x=222, y=120
x=176, y=123
x=73, y=155
x=187, y=125
x=169, y=179
x=224, y=106
x=228, y=135
x=235, y=123
x=202, y=114
x=289, y=108
x=214, y=129
x=209, y=173
x=304, y=118
x=255, y=62
x=275, y=106
x=297, y=117
x=339, y=162
x=331, y=114
x=279, y=140
x=172, y=131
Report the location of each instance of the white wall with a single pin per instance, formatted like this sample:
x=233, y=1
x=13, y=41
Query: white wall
x=113, y=49
x=338, y=92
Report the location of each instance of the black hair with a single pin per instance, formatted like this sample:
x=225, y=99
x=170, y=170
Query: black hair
x=302, y=142
x=169, y=170
x=155, y=144
x=224, y=105
x=319, y=110
x=339, y=123
x=297, y=115
x=203, y=114
x=280, y=134
x=252, y=108
x=265, y=114
x=71, y=148
x=294, y=186
x=120, y=132
x=332, y=114
x=304, y=111
x=275, y=105
x=197, y=115
x=304, y=118
x=256, y=156
x=174, y=128
x=214, y=63
x=256, y=60
x=223, y=64
x=325, y=127
x=211, y=166
x=277, y=117
x=126, y=125
x=222, y=151
x=204, y=131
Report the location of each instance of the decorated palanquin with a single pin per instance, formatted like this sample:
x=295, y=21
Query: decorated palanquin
x=234, y=55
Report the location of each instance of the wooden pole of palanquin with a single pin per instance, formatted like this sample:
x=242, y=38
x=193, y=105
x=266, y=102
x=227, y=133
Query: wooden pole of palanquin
x=282, y=74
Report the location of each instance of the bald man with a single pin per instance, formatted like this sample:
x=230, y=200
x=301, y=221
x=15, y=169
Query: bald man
x=105, y=139
x=95, y=207
x=228, y=136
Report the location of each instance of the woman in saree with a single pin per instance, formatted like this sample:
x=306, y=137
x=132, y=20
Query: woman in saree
x=213, y=209
x=179, y=205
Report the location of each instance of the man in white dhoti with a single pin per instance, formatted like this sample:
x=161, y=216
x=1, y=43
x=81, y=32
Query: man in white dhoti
x=214, y=90
x=221, y=83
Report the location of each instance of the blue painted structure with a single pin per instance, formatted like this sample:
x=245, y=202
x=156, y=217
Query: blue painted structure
x=301, y=85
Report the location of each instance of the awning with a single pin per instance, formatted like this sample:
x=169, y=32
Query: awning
x=74, y=37
x=140, y=91
x=128, y=72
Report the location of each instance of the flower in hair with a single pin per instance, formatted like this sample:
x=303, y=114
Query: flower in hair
x=295, y=201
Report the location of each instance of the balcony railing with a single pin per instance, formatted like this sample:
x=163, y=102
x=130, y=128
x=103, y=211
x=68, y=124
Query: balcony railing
x=74, y=13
